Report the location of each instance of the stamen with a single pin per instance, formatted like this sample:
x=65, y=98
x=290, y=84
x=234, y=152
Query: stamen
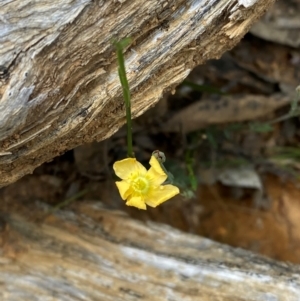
x=140, y=185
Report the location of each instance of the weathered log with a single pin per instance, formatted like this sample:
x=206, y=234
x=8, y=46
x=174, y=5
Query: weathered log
x=94, y=254
x=59, y=86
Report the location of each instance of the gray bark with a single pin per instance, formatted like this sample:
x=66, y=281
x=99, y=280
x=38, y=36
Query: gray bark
x=94, y=254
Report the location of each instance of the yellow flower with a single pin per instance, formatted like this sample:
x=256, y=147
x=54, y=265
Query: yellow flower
x=139, y=186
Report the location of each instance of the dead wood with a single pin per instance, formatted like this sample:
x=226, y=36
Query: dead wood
x=281, y=24
x=93, y=254
x=225, y=110
x=58, y=76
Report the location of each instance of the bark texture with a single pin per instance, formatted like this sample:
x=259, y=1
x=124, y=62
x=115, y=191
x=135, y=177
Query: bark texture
x=94, y=254
x=59, y=86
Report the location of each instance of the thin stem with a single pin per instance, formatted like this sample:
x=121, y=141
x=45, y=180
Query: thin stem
x=69, y=200
x=126, y=92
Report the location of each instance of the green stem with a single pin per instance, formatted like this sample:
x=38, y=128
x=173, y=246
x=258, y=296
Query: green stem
x=69, y=200
x=126, y=92
x=294, y=111
x=189, y=165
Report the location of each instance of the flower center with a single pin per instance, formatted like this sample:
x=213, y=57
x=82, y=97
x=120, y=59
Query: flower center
x=140, y=184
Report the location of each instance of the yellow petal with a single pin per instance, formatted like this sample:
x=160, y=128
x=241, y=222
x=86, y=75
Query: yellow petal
x=124, y=189
x=136, y=202
x=156, y=178
x=156, y=166
x=156, y=174
x=161, y=194
x=126, y=167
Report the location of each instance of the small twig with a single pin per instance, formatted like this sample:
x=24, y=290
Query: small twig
x=68, y=201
